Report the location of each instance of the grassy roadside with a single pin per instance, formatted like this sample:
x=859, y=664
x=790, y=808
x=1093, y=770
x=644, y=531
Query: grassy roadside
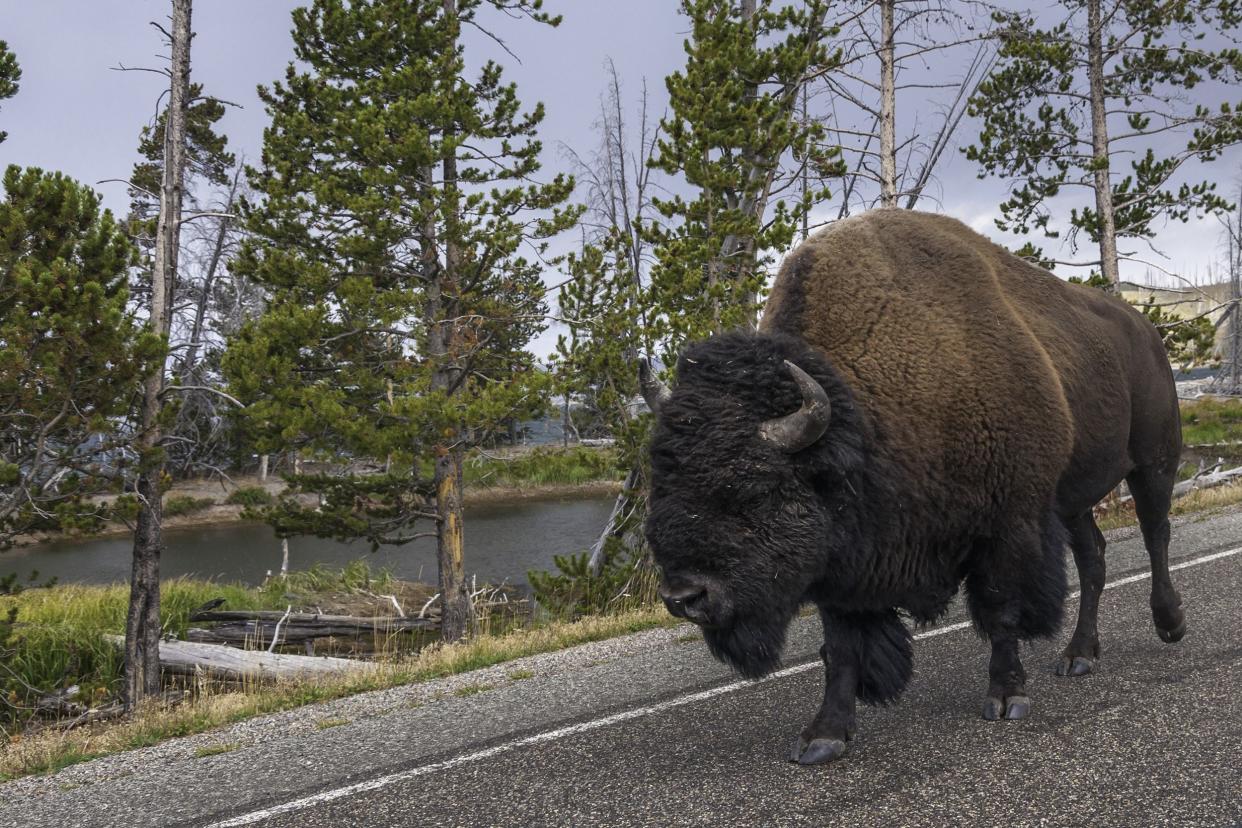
x=1202, y=502
x=50, y=750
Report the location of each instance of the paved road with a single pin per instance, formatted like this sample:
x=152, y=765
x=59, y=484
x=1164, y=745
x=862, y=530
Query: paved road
x=650, y=731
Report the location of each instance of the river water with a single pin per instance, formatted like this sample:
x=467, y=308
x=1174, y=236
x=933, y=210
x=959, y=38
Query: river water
x=502, y=541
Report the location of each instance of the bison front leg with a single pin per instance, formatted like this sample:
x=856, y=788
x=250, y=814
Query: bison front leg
x=1016, y=591
x=866, y=656
x=1007, y=697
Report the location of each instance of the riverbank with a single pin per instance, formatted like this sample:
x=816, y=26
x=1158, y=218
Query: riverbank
x=513, y=477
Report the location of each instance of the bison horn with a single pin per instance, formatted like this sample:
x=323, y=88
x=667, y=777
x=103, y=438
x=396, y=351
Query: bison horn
x=655, y=392
x=796, y=431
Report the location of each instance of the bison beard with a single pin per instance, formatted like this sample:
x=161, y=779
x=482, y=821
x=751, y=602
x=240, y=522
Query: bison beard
x=919, y=409
x=752, y=646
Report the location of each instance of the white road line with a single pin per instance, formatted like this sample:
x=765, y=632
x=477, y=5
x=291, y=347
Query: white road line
x=595, y=724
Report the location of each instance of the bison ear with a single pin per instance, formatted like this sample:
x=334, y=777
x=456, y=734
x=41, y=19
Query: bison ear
x=796, y=431
x=655, y=393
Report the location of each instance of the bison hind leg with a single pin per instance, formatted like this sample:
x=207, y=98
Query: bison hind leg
x=1084, y=646
x=1152, y=487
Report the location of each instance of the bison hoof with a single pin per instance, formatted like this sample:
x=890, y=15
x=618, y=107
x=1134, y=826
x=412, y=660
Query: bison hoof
x=1075, y=666
x=817, y=751
x=1013, y=707
x=1172, y=636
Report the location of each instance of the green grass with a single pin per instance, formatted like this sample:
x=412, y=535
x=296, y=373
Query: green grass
x=521, y=675
x=183, y=504
x=543, y=467
x=1211, y=422
x=321, y=578
x=249, y=496
x=472, y=690
x=57, y=635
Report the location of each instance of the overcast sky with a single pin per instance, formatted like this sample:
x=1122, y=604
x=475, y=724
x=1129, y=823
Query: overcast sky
x=76, y=114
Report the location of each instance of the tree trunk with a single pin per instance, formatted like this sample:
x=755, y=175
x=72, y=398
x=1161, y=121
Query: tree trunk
x=262, y=468
x=613, y=528
x=455, y=601
x=1230, y=379
x=1099, y=147
x=806, y=163
x=217, y=254
x=142, y=623
x=888, y=106
x=740, y=270
x=442, y=293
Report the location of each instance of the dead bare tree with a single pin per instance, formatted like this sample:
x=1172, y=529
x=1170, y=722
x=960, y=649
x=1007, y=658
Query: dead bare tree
x=618, y=177
x=142, y=624
x=1229, y=381
x=889, y=49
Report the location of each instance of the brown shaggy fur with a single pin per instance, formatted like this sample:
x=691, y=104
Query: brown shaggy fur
x=941, y=333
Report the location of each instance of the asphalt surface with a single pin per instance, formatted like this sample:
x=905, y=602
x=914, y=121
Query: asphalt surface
x=648, y=730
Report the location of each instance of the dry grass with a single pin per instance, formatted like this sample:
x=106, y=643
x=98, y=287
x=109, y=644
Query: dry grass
x=216, y=750
x=1200, y=501
x=51, y=750
x=1208, y=500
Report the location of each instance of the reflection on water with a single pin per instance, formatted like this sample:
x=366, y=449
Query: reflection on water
x=502, y=543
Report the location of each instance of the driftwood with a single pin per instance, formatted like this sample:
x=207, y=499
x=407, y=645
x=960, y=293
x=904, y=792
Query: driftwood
x=192, y=658
x=1206, y=480
x=271, y=628
x=357, y=621
x=263, y=633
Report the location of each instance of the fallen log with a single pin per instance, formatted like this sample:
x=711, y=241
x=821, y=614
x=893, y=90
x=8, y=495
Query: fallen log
x=1207, y=481
x=358, y=621
x=261, y=633
x=193, y=658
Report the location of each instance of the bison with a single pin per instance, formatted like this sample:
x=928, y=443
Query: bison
x=919, y=409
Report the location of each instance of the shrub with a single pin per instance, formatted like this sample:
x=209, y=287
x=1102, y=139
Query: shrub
x=184, y=504
x=249, y=496
x=544, y=466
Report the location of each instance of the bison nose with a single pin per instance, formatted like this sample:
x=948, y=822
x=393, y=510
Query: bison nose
x=687, y=602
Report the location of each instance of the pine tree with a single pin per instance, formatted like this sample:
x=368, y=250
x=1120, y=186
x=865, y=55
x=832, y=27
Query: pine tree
x=207, y=161
x=71, y=352
x=1065, y=106
x=396, y=207
x=10, y=74
x=732, y=125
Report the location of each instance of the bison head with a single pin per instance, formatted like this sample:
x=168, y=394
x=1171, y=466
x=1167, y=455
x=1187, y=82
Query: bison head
x=746, y=455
